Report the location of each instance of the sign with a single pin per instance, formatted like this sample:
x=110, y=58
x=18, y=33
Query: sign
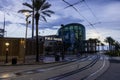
x=53, y=38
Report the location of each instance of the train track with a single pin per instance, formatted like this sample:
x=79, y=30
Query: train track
x=39, y=70
x=62, y=76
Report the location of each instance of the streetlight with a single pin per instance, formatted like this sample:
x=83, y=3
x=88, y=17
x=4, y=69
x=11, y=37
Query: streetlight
x=7, y=49
x=27, y=14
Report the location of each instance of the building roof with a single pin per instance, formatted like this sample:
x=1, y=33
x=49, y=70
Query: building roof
x=63, y=26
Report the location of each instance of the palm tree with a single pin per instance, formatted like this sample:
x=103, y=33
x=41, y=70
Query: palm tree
x=117, y=45
x=40, y=8
x=110, y=41
x=98, y=44
x=93, y=44
x=102, y=44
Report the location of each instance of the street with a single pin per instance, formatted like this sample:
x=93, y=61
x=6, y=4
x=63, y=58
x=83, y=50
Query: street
x=87, y=68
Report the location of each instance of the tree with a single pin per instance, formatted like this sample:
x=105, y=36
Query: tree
x=98, y=44
x=40, y=7
x=117, y=46
x=110, y=41
x=92, y=44
x=41, y=10
x=102, y=44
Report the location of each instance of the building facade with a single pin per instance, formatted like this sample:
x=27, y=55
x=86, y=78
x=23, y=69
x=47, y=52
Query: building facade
x=72, y=35
x=18, y=49
x=14, y=49
x=52, y=44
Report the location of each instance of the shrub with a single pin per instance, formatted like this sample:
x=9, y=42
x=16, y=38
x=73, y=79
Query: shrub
x=113, y=53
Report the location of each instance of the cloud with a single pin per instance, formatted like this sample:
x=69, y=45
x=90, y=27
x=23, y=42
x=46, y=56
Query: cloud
x=18, y=30
x=106, y=11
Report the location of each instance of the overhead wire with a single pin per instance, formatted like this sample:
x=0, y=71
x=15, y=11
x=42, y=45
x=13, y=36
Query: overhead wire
x=78, y=2
x=90, y=10
x=92, y=25
x=70, y=5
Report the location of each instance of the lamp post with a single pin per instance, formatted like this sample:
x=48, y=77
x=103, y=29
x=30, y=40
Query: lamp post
x=27, y=14
x=27, y=22
x=7, y=49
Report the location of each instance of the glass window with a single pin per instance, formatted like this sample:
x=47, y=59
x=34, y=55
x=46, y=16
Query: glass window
x=71, y=27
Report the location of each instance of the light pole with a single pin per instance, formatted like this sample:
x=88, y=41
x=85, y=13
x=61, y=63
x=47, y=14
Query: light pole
x=27, y=14
x=7, y=49
x=27, y=22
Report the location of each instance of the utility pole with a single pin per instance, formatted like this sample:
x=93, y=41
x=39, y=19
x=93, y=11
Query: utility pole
x=33, y=20
x=4, y=26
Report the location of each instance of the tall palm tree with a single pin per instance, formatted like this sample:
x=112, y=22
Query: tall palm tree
x=93, y=44
x=40, y=8
x=110, y=41
x=117, y=46
x=102, y=44
x=98, y=44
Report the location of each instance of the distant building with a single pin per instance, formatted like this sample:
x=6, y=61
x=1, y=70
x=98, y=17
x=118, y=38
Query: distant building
x=17, y=47
x=1, y=32
x=72, y=35
x=52, y=44
x=71, y=38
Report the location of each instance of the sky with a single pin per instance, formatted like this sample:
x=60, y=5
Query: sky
x=104, y=15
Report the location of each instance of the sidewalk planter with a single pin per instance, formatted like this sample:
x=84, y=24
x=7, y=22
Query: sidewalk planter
x=57, y=58
x=14, y=61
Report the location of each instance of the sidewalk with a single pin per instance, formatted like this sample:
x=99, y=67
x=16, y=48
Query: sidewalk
x=46, y=60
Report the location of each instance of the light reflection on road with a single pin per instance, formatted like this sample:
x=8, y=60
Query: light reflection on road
x=6, y=75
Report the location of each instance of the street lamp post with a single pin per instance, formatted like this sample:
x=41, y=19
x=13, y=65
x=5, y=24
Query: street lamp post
x=7, y=49
x=27, y=22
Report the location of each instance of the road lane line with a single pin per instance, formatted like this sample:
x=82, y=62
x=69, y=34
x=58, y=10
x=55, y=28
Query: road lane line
x=88, y=77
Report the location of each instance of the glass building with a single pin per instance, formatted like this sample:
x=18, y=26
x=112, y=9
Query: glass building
x=72, y=35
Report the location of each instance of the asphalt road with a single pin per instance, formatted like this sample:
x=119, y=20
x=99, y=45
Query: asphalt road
x=82, y=69
x=113, y=72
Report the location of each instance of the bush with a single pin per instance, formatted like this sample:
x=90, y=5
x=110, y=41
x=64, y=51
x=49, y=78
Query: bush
x=113, y=53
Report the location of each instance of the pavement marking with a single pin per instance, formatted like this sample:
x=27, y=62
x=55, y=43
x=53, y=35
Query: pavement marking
x=95, y=72
x=40, y=70
x=60, y=77
x=9, y=75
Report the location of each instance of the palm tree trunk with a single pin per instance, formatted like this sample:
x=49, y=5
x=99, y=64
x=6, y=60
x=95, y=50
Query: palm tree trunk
x=109, y=46
x=37, y=43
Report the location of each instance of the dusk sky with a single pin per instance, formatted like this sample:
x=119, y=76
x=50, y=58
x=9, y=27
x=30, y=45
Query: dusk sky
x=103, y=14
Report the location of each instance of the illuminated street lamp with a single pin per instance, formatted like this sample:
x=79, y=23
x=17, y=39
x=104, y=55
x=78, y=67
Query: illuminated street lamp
x=7, y=49
x=27, y=14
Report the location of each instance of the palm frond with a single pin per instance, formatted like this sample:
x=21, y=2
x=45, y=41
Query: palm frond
x=49, y=11
x=47, y=14
x=24, y=10
x=45, y=6
x=38, y=4
x=43, y=17
x=28, y=5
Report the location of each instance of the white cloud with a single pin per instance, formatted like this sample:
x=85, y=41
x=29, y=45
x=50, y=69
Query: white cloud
x=107, y=12
x=14, y=30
